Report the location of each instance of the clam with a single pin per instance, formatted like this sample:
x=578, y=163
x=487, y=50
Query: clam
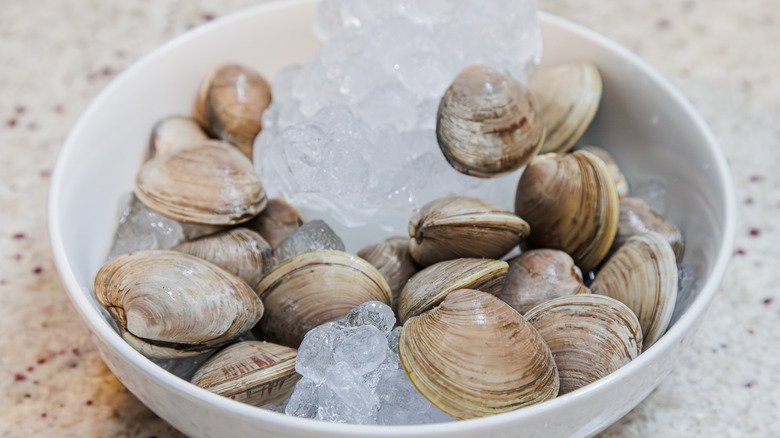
x=314, y=288
x=394, y=262
x=457, y=226
x=474, y=356
x=571, y=204
x=252, y=372
x=430, y=286
x=636, y=218
x=276, y=222
x=488, y=123
x=209, y=184
x=240, y=251
x=590, y=336
x=169, y=304
x=614, y=170
x=540, y=275
x=642, y=274
x=231, y=102
x=569, y=96
x=175, y=133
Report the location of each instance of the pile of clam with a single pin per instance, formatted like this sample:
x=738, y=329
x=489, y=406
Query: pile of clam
x=480, y=335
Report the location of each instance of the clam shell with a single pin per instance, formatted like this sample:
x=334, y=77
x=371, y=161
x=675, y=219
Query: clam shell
x=430, y=286
x=394, y=261
x=569, y=96
x=175, y=133
x=636, y=218
x=540, y=275
x=231, y=102
x=614, y=170
x=208, y=184
x=252, y=372
x=590, y=336
x=314, y=288
x=642, y=274
x=474, y=356
x=488, y=123
x=169, y=304
x=571, y=204
x=457, y=226
x=240, y=251
x=276, y=222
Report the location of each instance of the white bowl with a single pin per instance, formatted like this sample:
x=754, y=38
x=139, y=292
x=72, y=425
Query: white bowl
x=651, y=129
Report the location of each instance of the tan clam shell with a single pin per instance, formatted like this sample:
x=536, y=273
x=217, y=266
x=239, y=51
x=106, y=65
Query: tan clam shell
x=240, y=251
x=231, y=102
x=540, y=275
x=430, y=286
x=314, y=288
x=569, y=96
x=252, y=372
x=474, y=356
x=276, y=222
x=571, y=204
x=394, y=261
x=488, y=124
x=590, y=336
x=457, y=226
x=636, y=218
x=621, y=184
x=169, y=304
x=642, y=274
x=208, y=184
x=175, y=133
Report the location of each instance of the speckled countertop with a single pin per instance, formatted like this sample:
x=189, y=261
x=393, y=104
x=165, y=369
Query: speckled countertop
x=56, y=56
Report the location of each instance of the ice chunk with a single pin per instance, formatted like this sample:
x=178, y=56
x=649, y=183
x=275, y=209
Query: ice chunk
x=303, y=400
x=335, y=138
x=315, y=354
x=654, y=193
x=141, y=228
x=392, y=339
x=372, y=313
x=363, y=348
x=401, y=403
x=311, y=236
x=352, y=373
x=344, y=398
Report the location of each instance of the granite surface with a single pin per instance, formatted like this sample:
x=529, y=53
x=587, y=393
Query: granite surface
x=56, y=56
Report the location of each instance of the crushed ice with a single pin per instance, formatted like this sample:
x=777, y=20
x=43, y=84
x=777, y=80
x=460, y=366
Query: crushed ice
x=352, y=374
x=351, y=132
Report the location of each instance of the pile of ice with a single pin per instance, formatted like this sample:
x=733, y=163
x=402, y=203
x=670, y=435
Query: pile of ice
x=351, y=132
x=352, y=374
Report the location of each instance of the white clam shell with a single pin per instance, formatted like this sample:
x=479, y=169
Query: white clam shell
x=589, y=335
x=642, y=274
x=169, y=304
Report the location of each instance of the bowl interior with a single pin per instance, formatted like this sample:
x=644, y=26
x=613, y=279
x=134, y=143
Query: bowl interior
x=650, y=129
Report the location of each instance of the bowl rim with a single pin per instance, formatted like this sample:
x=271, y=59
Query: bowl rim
x=98, y=326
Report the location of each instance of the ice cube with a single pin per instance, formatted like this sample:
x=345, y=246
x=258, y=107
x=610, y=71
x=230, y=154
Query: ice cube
x=311, y=236
x=373, y=313
x=344, y=398
x=362, y=348
x=141, y=228
x=392, y=339
x=315, y=354
x=303, y=400
x=401, y=403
